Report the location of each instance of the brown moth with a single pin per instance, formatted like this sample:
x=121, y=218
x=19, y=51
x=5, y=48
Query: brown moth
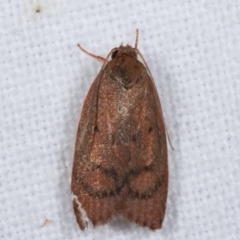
x=120, y=163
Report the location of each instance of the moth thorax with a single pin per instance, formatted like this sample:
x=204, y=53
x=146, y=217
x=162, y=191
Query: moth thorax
x=124, y=50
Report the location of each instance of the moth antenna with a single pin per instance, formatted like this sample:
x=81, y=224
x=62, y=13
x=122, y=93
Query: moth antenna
x=100, y=59
x=136, y=41
x=170, y=143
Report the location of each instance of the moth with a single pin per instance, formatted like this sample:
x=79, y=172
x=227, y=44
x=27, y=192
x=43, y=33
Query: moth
x=120, y=162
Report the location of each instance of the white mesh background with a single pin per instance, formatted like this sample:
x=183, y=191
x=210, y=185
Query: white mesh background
x=193, y=51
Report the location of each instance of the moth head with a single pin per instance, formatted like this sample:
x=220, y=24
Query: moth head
x=124, y=50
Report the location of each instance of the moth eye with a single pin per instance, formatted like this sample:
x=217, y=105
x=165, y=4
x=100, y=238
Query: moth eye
x=96, y=128
x=150, y=129
x=114, y=54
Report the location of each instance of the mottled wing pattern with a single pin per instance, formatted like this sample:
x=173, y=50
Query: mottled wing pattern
x=120, y=163
x=145, y=203
x=90, y=185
